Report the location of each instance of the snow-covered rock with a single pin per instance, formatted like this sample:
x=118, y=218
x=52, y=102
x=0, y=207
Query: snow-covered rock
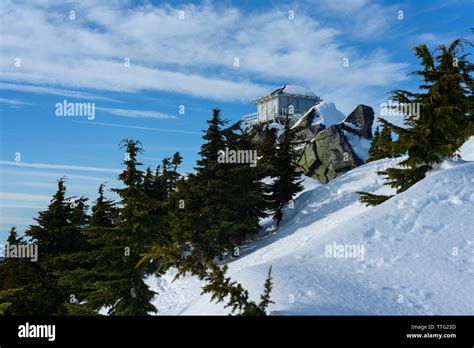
x=323, y=113
x=333, y=150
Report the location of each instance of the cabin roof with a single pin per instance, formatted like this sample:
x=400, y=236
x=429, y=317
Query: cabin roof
x=289, y=90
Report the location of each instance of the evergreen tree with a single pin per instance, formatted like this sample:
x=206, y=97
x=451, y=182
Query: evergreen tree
x=202, y=221
x=385, y=142
x=155, y=187
x=148, y=183
x=381, y=144
x=93, y=262
x=56, y=234
x=11, y=272
x=25, y=289
x=57, y=230
x=445, y=120
x=9, y=266
x=104, y=212
x=135, y=230
x=222, y=288
x=246, y=188
x=170, y=176
x=161, y=202
x=5, y=299
x=118, y=237
x=372, y=199
x=159, y=189
x=267, y=151
x=216, y=208
x=374, y=149
x=287, y=179
x=176, y=161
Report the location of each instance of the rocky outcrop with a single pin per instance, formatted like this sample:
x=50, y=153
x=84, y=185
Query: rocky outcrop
x=306, y=126
x=330, y=152
x=328, y=155
x=330, y=144
x=362, y=118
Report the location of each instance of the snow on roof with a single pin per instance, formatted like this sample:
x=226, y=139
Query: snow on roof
x=294, y=89
x=291, y=90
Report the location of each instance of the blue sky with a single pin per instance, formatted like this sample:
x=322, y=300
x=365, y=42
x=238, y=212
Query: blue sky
x=182, y=60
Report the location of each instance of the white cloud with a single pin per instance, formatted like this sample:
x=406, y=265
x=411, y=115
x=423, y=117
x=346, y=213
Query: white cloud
x=24, y=197
x=361, y=19
x=22, y=172
x=139, y=127
x=53, y=91
x=9, y=221
x=58, y=166
x=22, y=206
x=138, y=113
x=194, y=56
x=434, y=39
x=13, y=102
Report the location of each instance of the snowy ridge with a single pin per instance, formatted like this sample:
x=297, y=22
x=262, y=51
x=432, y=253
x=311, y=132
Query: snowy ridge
x=418, y=251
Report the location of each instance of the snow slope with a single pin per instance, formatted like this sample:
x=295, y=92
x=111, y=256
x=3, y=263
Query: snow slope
x=467, y=150
x=418, y=251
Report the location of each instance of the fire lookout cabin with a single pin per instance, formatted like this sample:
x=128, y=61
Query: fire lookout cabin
x=288, y=101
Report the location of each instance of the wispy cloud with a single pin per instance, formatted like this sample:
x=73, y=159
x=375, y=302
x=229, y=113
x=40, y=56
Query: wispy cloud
x=138, y=113
x=435, y=39
x=172, y=148
x=21, y=206
x=13, y=102
x=53, y=91
x=58, y=166
x=9, y=221
x=22, y=172
x=361, y=19
x=24, y=197
x=139, y=127
x=52, y=185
